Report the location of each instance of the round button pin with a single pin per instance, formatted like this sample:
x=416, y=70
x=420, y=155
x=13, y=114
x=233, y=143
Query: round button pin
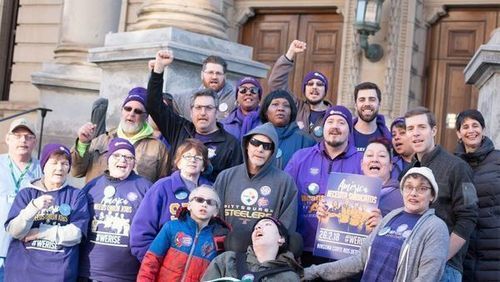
x=318, y=131
x=223, y=107
x=65, y=209
x=313, y=189
x=109, y=191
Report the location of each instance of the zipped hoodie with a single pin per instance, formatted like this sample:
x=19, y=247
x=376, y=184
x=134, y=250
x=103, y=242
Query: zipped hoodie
x=246, y=198
x=422, y=256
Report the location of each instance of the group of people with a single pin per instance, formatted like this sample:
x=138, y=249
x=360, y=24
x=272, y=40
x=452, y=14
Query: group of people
x=170, y=189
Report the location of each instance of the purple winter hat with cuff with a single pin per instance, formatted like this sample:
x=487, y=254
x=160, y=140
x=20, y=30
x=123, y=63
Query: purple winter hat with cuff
x=138, y=94
x=314, y=75
x=340, y=111
x=50, y=149
x=119, y=143
x=251, y=80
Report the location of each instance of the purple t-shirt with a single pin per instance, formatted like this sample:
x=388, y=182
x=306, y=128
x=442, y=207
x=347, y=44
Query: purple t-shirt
x=386, y=246
x=113, y=203
x=44, y=260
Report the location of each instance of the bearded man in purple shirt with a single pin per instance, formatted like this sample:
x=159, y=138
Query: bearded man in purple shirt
x=310, y=168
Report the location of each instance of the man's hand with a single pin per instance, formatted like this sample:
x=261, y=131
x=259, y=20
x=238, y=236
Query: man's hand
x=373, y=220
x=32, y=235
x=86, y=133
x=162, y=60
x=296, y=47
x=43, y=201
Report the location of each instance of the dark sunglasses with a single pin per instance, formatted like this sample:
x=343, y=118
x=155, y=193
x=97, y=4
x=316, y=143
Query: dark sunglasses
x=266, y=145
x=136, y=111
x=243, y=90
x=201, y=200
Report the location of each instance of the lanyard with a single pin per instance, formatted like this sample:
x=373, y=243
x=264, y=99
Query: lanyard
x=17, y=182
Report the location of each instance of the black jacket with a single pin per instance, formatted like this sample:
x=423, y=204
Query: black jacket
x=483, y=258
x=457, y=199
x=223, y=147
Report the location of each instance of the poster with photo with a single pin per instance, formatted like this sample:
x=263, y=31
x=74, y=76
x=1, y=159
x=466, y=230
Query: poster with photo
x=349, y=200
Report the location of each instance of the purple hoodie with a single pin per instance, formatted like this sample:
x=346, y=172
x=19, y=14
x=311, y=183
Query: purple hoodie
x=382, y=131
x=159, y=205
x=238, y=124
x=310, y=169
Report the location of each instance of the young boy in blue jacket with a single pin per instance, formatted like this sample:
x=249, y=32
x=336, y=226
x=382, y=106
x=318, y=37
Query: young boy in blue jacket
x=184, y=248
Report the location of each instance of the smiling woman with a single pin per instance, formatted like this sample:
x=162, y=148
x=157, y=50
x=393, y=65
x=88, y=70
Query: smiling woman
x=47, y=221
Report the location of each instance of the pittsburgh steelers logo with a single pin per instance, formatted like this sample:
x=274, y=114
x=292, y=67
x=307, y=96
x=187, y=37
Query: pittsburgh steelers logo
x=249, y=196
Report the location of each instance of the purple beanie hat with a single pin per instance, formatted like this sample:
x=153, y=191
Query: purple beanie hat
x=251, y=80
x=119, y=143
x=50, y=149
x=317, y=75
x=138, y=94
x=340, y=111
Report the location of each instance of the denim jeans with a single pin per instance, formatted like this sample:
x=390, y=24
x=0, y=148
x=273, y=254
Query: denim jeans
x=451, y=274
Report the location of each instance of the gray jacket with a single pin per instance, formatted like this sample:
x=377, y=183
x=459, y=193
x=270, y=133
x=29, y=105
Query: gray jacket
x=422, y=256
x=226, y=95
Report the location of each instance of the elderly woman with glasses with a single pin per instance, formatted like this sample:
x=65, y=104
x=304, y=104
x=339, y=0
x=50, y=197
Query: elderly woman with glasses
x=257, y=188
x=410, y=244
x=47, y=220
x=169, y=194
x=113, y=198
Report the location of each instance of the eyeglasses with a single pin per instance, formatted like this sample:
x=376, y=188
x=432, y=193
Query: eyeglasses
x=199, y=108
x=136, y=111
x=27, y=137
x=419, y=189
x=212, y=73
x=192, y=158
x=119, y=156
x=266, y=145
x=244, y=90
x=201, y=200
x=317, y=83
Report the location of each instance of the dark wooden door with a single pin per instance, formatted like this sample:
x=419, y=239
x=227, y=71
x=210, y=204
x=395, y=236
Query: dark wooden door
x=453, y=40
x=271, y=31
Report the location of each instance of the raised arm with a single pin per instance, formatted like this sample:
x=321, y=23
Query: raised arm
x=278, y=78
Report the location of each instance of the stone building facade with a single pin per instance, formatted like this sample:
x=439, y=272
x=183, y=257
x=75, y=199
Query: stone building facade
x=67, y=53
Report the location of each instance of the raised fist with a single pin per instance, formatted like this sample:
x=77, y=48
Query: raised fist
x=296, y=47
x=162, y=60
x=86, y=132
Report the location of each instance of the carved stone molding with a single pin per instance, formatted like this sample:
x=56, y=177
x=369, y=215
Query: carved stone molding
x=241, y=15
x=433, y=13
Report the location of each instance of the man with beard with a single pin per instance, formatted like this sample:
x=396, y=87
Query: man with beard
x=223, y=148
x=88, y=154
x=369, y=124
x=213, y=76
x=314, y=86
x=310, y=168
x=457, y=199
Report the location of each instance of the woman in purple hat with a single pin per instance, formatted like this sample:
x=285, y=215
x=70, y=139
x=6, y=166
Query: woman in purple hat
x=113, y=198
x=47, y=221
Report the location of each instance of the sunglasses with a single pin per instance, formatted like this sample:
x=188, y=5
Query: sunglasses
x=201, y=200
x=253, y=90
x=136, y=111
x=266, y=145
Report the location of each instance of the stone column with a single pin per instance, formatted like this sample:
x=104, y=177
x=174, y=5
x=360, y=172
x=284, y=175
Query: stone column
x=483, y=71
x=200, y=16
x=69, y=84
x=84, y=24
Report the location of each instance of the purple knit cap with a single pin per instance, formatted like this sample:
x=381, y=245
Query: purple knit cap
x=119, y=143
x=398, y=120
x=138, y=94
x=317, y=75
x=50, y=149
x=251, y=80
x=340, y=111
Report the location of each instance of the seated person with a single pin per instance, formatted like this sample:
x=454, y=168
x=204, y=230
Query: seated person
x=268, y=256
x=172, y=256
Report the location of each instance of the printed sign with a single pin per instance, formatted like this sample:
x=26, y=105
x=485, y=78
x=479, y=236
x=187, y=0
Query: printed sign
x=348, y=201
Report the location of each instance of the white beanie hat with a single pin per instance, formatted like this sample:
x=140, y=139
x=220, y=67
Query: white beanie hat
x=425, y=172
